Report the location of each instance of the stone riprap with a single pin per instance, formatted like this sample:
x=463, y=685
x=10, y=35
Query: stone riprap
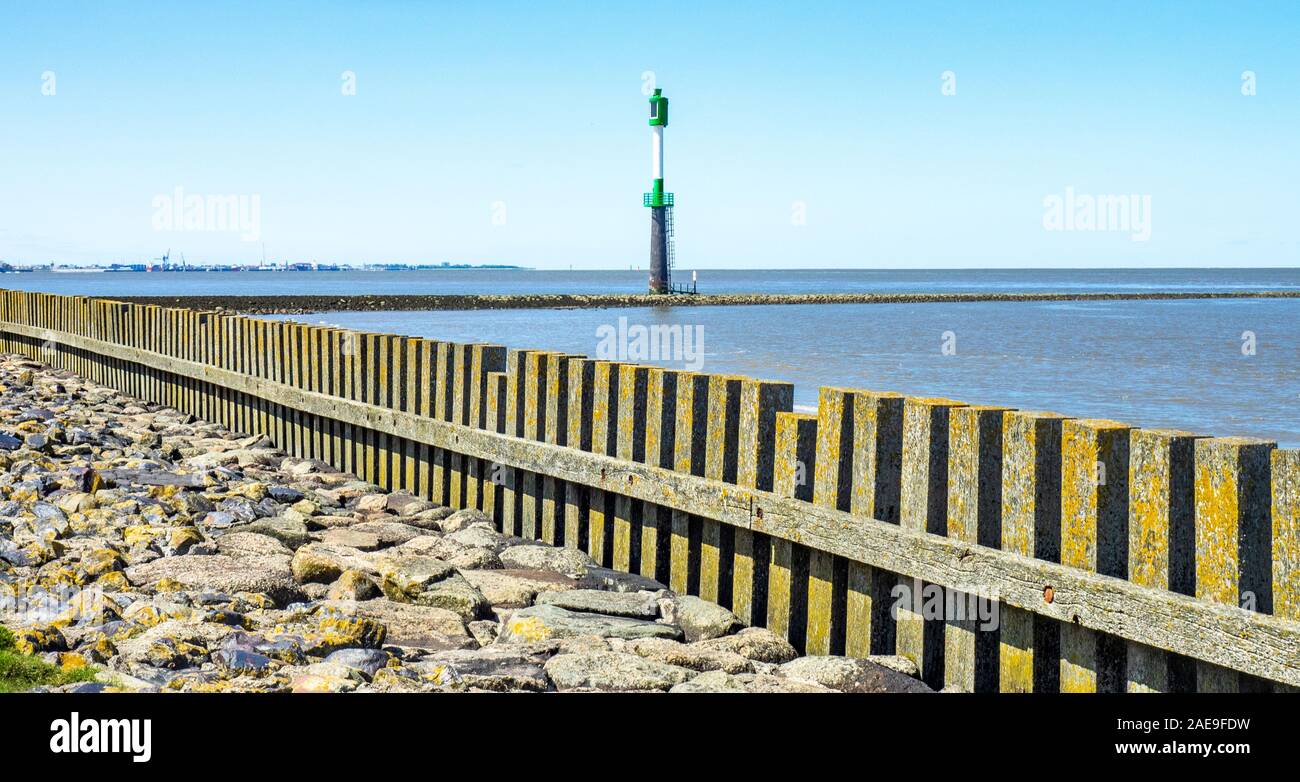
x=300, y=304
x=174, y=555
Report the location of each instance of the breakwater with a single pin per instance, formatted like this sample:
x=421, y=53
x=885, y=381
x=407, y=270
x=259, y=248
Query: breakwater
x=158, y=552
x=294, y=305
x=1118, y=558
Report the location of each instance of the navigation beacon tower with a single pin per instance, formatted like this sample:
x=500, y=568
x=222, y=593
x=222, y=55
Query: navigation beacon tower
x=659, y=202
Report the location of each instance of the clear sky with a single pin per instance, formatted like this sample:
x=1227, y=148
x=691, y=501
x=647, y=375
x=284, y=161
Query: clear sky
x=802, y=134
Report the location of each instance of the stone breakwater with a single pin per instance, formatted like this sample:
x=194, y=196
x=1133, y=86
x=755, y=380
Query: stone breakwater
x=298, y=305
x=173, y=555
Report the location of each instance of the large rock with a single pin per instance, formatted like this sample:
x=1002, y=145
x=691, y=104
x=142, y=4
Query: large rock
x=349, y=537
x=222, y=573
x=454, y=593
x=849, y=674
x=430, y=519
x=613, y=672
x=367, y=661
x=711, y=682
x=516, y=588
x=407, y=505
x=372, y=503
x=332, y=520
x=326, y=677
x=755, y=643
x=427, y=546
x=174, y=644
x=431, y=582
x=570, y=562
x=244, y=457
x=686, y=655
x=291, y=532
x=389, y=533
x=720, y=681
x=464, y=519
x=323, y=564
x=500, y=669
x=353, y=585
x=699, y=619
x=245, y=544
x=897, y=662
x=480, y=536
x=423, y=627
x=543, y=622
x=475, y=559
x=639, y=605
x=609, y=580
x=341, y=628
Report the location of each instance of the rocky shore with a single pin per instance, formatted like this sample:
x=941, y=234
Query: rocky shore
x=298, y=305
x=166, y=553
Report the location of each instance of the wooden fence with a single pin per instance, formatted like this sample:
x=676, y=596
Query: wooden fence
x=1116, y=558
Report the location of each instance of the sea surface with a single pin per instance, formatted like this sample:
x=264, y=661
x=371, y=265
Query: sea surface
x=504, y=281
x=1218, y=367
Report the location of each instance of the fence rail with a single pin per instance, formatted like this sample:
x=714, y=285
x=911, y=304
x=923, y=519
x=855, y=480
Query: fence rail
x=1119, y=558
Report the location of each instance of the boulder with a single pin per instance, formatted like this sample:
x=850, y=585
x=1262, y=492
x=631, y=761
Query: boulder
x=389, y=533
x=372, y=503
x=849, y=674
x=609, y=580
x=220, y=572
x=516, y=588
x=613, y=672
x=640, y=605
x=464, y=519
x=431, y=582
x=686, y=655
x=754, y=643
x=291, y=532
x=337, y=628
x=570, y=562
x=543, y=622
x=407, y=505
x=699, y=619
x=711, y=682
x=427, y=546
x=323, y=563
x=425, y=627
x=719, y=681
x=480, y=536
x=367, y=661
x=475, y=559
x=495, y=668
x=245, y=544
x=243, y=662
x=353, y=585
x=349, y=537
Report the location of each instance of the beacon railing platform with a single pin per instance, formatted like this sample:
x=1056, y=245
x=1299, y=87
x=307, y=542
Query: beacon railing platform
x=1118, y=558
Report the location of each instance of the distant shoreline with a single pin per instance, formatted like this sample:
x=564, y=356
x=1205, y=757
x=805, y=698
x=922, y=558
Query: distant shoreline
x=299, y=305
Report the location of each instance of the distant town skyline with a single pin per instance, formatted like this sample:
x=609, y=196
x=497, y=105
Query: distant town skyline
x=159, y=264
x=822, y=135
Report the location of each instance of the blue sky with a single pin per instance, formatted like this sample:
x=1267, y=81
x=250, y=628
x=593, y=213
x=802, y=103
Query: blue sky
x=534, y=112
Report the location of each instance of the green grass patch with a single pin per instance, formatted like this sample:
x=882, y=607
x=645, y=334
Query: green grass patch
x=20, y=672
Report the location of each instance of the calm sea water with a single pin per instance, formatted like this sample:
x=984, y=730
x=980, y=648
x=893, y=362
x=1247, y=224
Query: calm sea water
x=1175, y=364
x=711, y=281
